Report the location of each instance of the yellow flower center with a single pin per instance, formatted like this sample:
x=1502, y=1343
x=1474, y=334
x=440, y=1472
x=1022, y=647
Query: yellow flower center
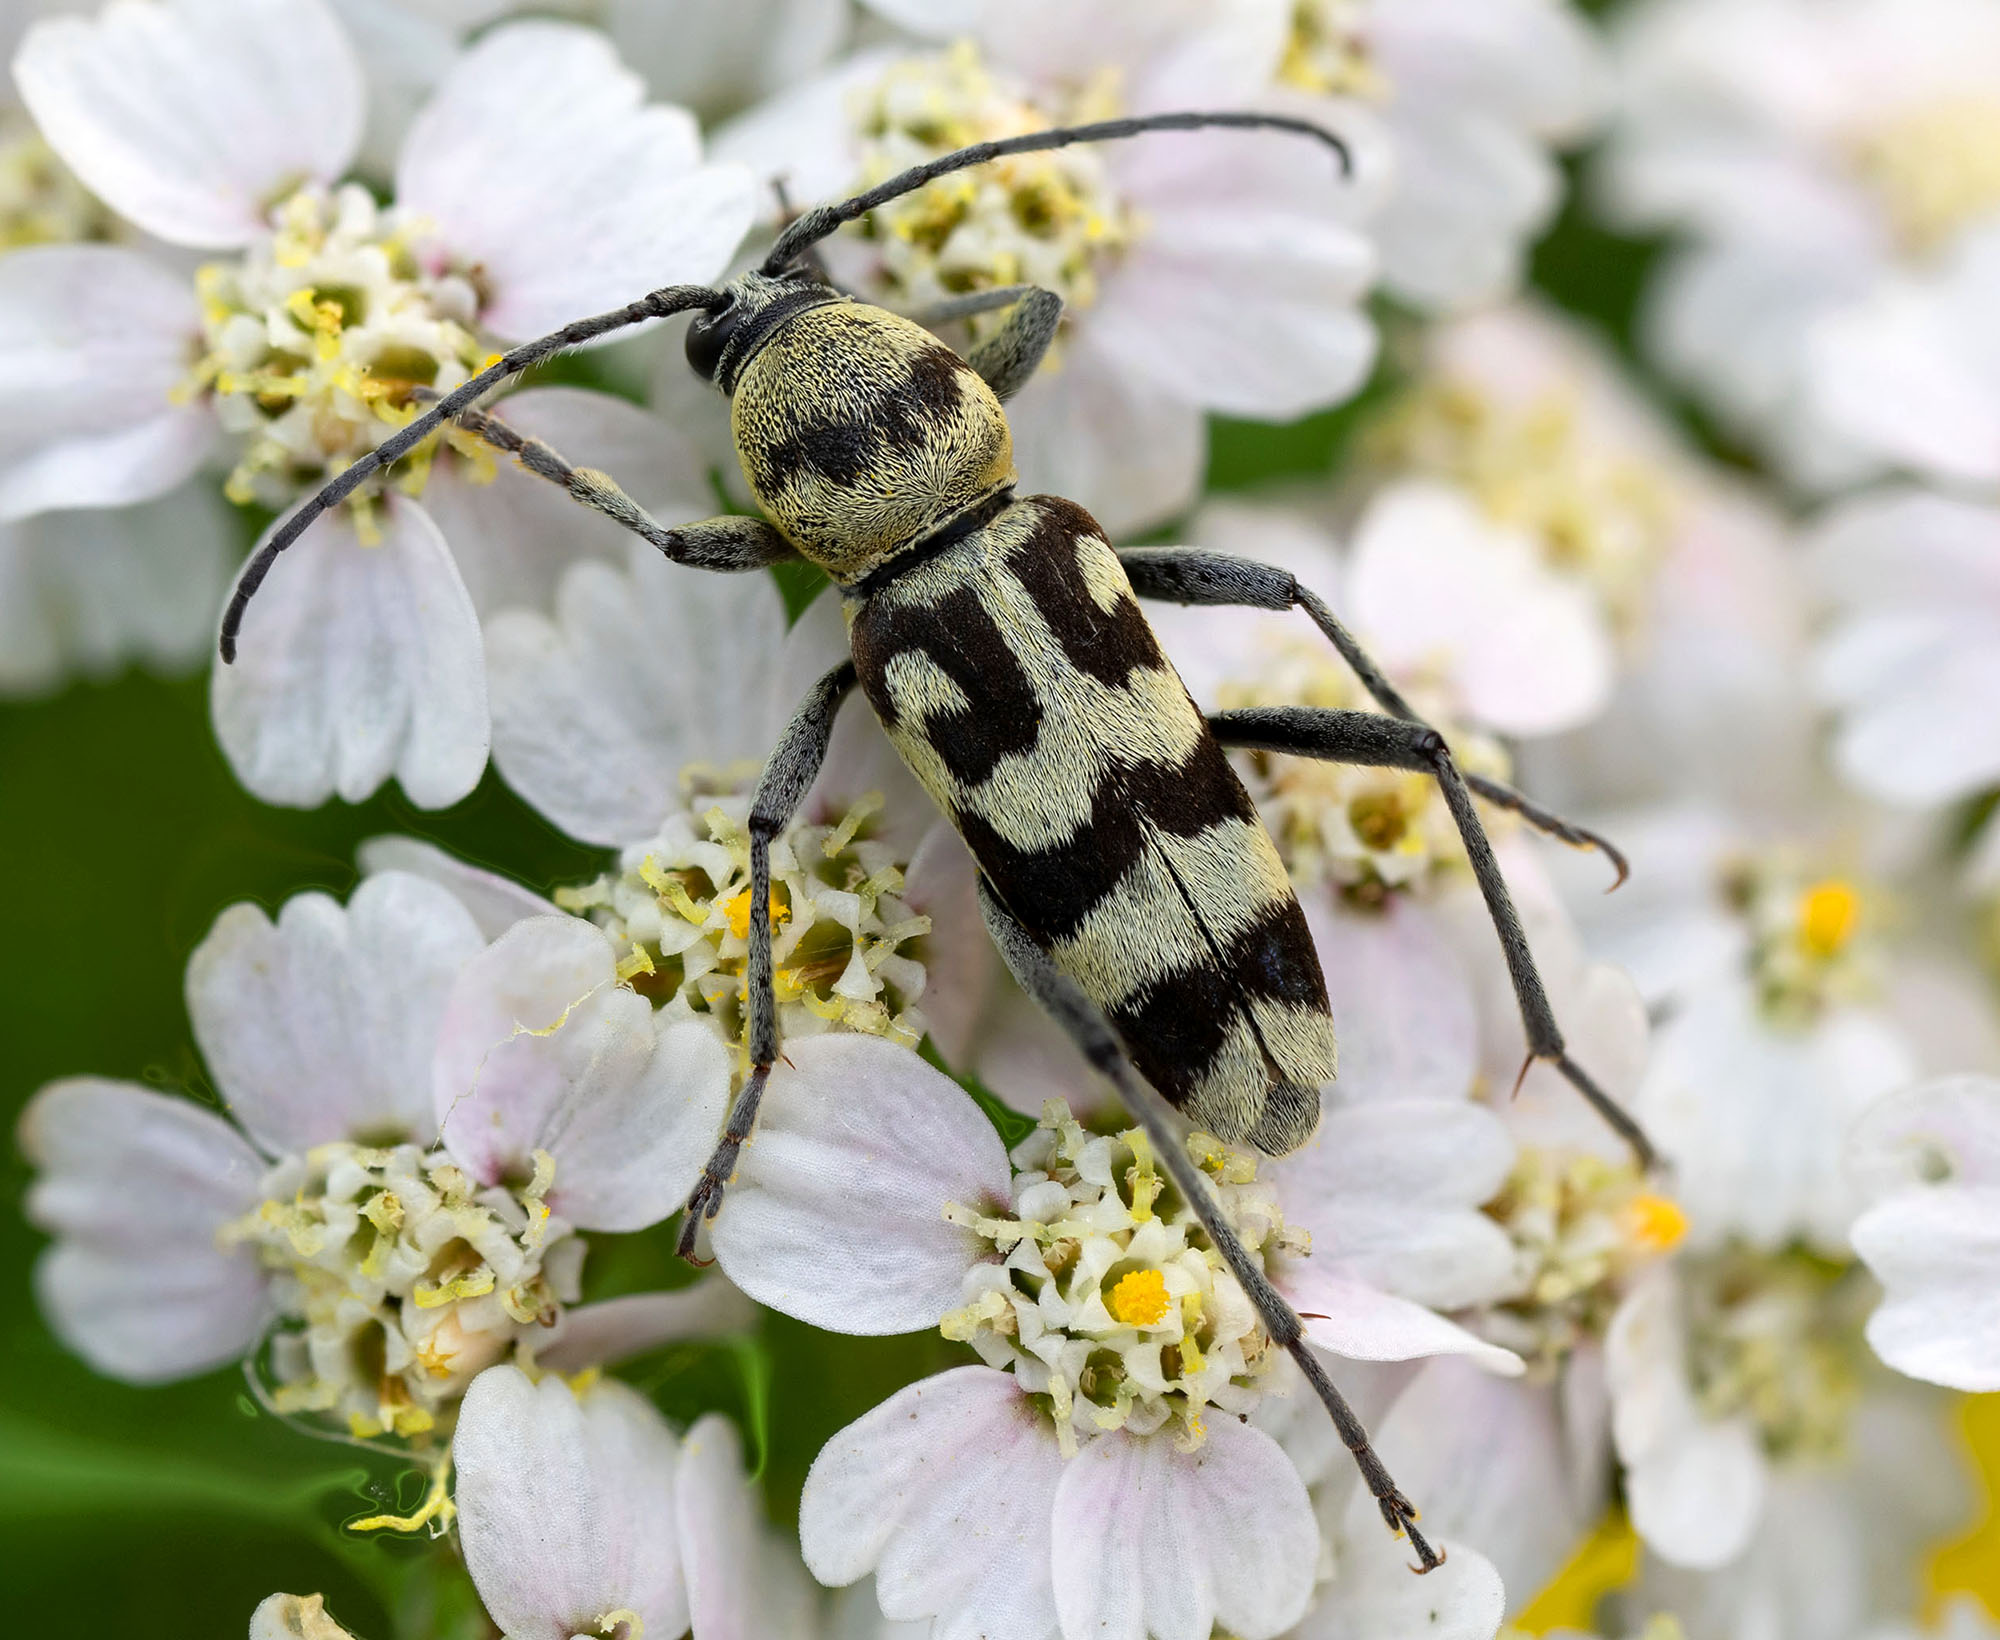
x=1044, y=219
x=317, y=340
x=1935, y=166
x=678, y=909
x=1656, y=1223
x=1828, y=914
x=1328, y=51
x=1140, y=1299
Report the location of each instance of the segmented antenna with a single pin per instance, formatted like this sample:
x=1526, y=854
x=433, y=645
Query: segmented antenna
x=817, y=223
x=657, y=304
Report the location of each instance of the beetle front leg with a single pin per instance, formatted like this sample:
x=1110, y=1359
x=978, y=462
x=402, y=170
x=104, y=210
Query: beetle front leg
x=788, y=775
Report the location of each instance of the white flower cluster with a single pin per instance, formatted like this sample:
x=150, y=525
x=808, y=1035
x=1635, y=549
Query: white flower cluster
x=1729, y=598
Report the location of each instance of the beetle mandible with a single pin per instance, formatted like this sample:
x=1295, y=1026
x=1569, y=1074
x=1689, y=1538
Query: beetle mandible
x=1124, y=872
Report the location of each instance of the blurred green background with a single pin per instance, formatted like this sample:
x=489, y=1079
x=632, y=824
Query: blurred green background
x=171, y=1512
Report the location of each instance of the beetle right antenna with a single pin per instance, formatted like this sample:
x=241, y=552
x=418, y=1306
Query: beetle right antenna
x=816, y=224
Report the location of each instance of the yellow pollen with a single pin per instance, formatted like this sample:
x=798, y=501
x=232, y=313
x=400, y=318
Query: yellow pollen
x=737, y=909
x=1140, y=1299
x=1827, y=916
x=1656, y=1222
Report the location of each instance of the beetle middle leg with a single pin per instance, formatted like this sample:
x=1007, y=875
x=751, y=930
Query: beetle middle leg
x=788, y=775
x=1402, y=739
x=1085, y=1025
x=1372, y=740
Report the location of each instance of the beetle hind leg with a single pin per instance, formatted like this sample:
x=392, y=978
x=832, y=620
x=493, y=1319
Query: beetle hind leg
x=1085, y=1025
x=788, y=775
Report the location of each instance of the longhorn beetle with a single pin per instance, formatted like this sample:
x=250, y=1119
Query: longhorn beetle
x=1124, y=873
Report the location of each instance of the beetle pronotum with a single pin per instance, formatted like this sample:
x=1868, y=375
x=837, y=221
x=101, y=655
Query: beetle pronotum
x=1124, y=873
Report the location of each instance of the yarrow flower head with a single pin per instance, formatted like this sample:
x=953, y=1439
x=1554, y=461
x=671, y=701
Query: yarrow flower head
x=426, y=1123
x=312, y=334
x=1107, y=1297
x=1121, y=1354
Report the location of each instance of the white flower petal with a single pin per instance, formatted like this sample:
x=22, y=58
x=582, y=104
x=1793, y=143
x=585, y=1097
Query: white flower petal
x=514, y=537
x=601, y=1334
x=1695, y=1488
x=945, y=1492
x=320, y=1027
x=1128, y=454
x=135, y=1186
x=539, y=144
x=720, y=1535
x=357, y=663
x=1026, y=1059
x=1434, y=585
x=496, y=903
x=1357, y=1321
x=1755, y=1115
x=566, y=1507
x=1154, y=1541
x=1390, y=1191
x=189, y=117
x=805, y=137
x=294, y=1617
x=1937, y=1252
x=1943, y=1132
x=640, y=673
x=1242, y=294
x=716, y=59
x=91, y=591
x=542, y=1049
x=1402, y=1006
x=1378, y=1594
x=837, y=1212
x=1492, y=1461
x=93, y=339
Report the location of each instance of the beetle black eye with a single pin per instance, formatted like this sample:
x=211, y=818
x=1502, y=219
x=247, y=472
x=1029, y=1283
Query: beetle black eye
x=708, y=336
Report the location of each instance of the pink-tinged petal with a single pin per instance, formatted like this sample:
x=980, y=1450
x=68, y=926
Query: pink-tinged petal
x=96, y=590
x=1937, y=1254
x=189, y=117
x=566, y=1506
x=609, y=1331
x=1402, y=1006
x=134, y=1185
x=320, y=1027
x=1695, y=1488
x=514, y=536
x=961, y=968
x=1357, y=1321
x=1125, y=452
x=1492, y=1461
x=805, y=137
x=1242, y=295
x=741, y=1586
x=495, y=902
x=1944, y=1132
x=540, y=142
x=1378, y=1595
x=542, y=1049
x=1916, y=686
x=837, y=1212
x=1154, y=1541
x=93, y=341
x=1433, y=584
x=355, y=664
x=1390, y=1192
x=945, y=1491
x=597, y=711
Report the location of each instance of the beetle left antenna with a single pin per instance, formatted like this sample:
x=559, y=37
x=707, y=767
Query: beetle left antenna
x=816, y=224
x=658, y=304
